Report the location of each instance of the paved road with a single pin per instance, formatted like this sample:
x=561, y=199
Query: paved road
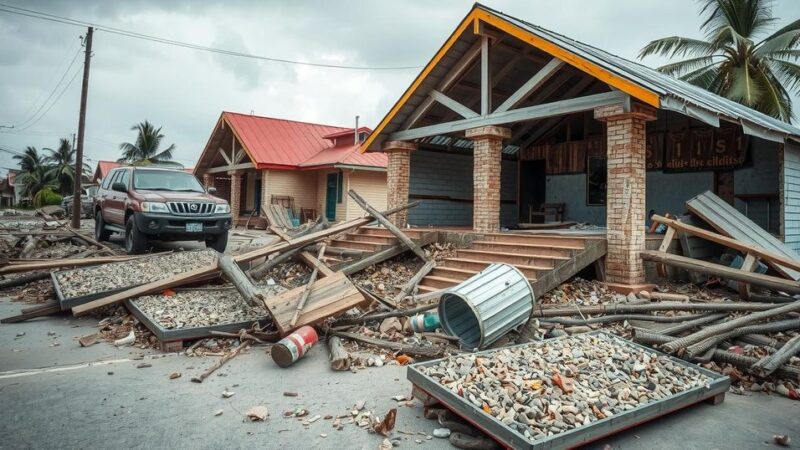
x=64, y=397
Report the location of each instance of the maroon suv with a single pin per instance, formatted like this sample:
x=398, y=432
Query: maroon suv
x=163, y=204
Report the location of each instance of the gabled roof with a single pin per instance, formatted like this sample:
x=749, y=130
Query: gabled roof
x=272, y=143
x=640, y=82
x=103, y=167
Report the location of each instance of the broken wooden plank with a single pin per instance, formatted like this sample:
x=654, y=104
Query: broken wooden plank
x=767, y=281
x=20, y=266
x=328, y=297
x=315, y=263
x=408, y=289
x=339, y=356
x=251, y=294
x=730, y=222
x=413, y=350
x=312, y=278
x=389, y=225
x=32, y=313
x=744, y=247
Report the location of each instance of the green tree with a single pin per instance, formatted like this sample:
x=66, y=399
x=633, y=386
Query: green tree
x=738, y=59
x=33, y=172
x=146, y=149
x=61, y=166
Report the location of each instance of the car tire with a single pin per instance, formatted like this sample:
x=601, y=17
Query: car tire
x=218, y=242
x=100, y=232
x=135, y=241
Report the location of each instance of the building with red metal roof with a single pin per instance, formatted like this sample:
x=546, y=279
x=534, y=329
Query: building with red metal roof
x=308, y=167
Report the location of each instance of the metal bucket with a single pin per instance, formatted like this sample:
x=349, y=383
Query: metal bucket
x=294, y=346
x=488, y=305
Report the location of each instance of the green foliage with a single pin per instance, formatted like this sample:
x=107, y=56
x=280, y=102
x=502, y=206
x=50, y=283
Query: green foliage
x=46, y=197
x=146, y=149
x=737, y=60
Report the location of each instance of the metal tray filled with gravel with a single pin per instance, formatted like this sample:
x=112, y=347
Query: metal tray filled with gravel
x=78, y=286
x=567, y=391
x=193, y=314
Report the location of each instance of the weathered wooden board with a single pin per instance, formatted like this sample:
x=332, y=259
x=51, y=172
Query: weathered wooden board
x=329, y=296
x=730, y=222
x=696, y=247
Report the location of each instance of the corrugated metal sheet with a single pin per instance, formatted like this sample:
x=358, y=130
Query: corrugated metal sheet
x=280, y=142
x=664, y=85
x=488, y=305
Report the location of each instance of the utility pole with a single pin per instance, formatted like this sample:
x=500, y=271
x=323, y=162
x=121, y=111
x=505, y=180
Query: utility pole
x=76, y=199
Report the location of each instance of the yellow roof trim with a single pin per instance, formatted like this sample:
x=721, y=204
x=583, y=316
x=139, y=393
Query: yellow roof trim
x=474, y=17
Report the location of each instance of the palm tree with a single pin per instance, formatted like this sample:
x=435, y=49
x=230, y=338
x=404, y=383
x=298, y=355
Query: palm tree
x=61, y=166
x=33, y=172
x=146, y=149
x=736, y=60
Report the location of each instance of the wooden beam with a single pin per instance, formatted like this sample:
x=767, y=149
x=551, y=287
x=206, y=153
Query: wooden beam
x=486, y=74
x=227, y=168
x=772, y=258
x=718, y=270
x=251, y=294
x=315, y=263
x=389, y=225
x=546, y=110
x=225, y=157
x=453, y=105
x=538, y=79
x=544, y=128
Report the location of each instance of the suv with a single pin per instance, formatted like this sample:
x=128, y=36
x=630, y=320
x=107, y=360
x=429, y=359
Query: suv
x=148, y=203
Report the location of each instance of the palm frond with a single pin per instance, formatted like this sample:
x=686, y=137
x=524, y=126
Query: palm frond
x=743, y=86
x=787, y=72
x=687, y=66
x=704, y=77
x=677, y=46
x=786, y=30
x=783, y=42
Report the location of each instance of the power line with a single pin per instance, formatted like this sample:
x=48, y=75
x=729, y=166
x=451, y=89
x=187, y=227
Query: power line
x=75, y=75
x=49, y=81
x=136, y=35
x=55, y=88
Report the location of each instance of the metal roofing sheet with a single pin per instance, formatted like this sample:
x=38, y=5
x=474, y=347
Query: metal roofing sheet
x=663, y=84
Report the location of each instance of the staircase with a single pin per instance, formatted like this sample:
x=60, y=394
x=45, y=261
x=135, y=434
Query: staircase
x=371, y=240
x=546, y=260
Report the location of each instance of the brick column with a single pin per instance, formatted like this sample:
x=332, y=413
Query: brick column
x=487, y=146
x=236, y=195
x=625, y=193
x=397, y=178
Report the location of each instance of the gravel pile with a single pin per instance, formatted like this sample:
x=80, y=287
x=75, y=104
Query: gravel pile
x=553, y=386
x=130, y=273
x=199, y=308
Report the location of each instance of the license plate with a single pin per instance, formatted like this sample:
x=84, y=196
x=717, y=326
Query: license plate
x=194, y=227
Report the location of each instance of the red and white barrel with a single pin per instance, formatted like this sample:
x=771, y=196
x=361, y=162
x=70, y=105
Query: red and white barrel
x=294, y=346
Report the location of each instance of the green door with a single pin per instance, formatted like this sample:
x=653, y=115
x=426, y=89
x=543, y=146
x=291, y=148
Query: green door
x=330, y=196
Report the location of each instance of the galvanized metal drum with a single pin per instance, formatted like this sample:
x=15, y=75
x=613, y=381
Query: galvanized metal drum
x=488, y=305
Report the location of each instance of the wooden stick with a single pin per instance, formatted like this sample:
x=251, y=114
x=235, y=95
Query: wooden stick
x=705, y=333
x=768, y=364
x=339, y=356
x=221, y=362
x=389, y=225
x=621, y=308
x=770, y=257
x=44, y=310
x=23, y=279
x=304, y=298
x=408, y=289
x=718, y=270
x=20, y=266
x=427, y=352
x=278, y=232
x=251, y=294
x=386, y=315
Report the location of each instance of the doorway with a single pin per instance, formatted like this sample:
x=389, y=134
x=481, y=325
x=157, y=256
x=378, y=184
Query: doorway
x=257, y=204
x=532, y=186
x=331, y=196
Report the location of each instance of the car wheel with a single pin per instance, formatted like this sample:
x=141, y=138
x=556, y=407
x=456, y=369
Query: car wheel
x=218, y=242
x=135, y=242
x=100, y=232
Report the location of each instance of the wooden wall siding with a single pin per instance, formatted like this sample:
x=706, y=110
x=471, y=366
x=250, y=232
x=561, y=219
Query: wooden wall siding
x=321, y=189
x=448, y=177
x=791, y=195
x=370, y=185
x=298, y=184
x=567, y=157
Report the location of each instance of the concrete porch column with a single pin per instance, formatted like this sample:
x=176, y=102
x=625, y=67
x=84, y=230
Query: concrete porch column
x=397, y=178
x=625, y=193
x=487, y=145
x=236, y=194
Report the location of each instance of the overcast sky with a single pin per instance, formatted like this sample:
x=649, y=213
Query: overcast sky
x=185, y=90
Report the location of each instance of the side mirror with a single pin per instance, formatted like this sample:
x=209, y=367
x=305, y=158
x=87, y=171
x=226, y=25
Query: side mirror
x=211, y=190
x=119, y=187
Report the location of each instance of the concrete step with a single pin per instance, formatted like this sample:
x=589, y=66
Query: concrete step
x=541, y=250
x=375, y=231
x=537, y=262
x=555, y=241
x=373, y=239
x=357, y=245
x=476, y=266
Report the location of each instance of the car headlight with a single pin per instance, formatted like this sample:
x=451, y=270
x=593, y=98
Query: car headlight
x=155, y=207
x=222, y=208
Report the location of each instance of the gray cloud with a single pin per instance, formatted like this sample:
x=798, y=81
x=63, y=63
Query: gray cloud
x=185, y=90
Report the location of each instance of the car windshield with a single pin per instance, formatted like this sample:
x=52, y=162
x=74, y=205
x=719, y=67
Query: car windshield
x=162, y=180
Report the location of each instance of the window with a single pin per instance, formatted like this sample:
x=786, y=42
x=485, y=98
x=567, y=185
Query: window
x=164, y=180
x=107, y=179
x=596, y=176
x=125, y=177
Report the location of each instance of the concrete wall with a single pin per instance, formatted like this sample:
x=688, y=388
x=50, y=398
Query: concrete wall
x=447, y=174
